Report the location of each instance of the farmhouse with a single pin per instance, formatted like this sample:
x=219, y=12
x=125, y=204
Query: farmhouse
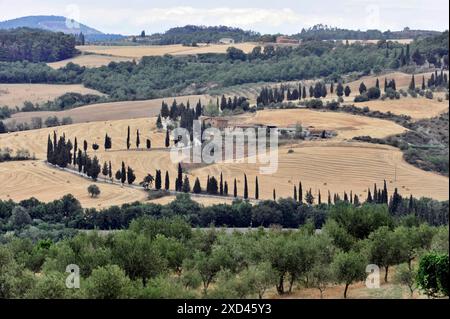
x=227, y=41
x=286, y=40
x=216, y=122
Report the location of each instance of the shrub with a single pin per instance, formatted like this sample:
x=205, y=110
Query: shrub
x=93, y=190
x=429, y=94
x=361, y=98
x=432, y=276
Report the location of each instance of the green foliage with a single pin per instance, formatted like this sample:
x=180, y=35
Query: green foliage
x=108, y=282
x=433, y=274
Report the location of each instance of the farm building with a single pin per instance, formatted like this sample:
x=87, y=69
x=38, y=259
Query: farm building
x=227, y=41
x=286, y=40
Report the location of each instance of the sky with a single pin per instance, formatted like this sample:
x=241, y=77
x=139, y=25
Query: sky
x=287, y=16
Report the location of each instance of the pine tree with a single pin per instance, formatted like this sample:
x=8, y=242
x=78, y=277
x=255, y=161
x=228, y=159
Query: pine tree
x=256, y=188
x=245, y=187
x=197, y=187
x=167, y=181
x=235, y=189
x=128, y=138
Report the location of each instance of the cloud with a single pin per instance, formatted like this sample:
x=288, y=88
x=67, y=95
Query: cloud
x=242, y=17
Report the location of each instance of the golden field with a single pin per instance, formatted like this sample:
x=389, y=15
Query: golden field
x=346, y=125
x=137, y=52
x=16, y=94
x=89, y=61
x=111, y=110
x=334, y=165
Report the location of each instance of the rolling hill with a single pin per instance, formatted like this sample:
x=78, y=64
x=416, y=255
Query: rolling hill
x=50, y=23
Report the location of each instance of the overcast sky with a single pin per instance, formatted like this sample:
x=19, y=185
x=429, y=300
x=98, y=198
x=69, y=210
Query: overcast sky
x=288, y=16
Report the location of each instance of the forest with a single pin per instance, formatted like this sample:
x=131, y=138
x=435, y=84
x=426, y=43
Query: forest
x=33, y=45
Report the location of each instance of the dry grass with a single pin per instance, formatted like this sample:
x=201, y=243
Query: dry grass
x=111, y=111
x=138, y=52
x=336, y=167
x=22, y=180
x=89, y=61
x=16, y=94
x=417, y=108
x=346, y=125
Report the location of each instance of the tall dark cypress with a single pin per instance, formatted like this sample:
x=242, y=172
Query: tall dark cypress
x=245, y=187
x=75, y=150
x=123, y=176
x=329, y=198
x=167, y=138
x=300, y=192
x=274, y=195
x=235, y=189
x=179, y=185
x=221, y=185
x=49, y=150
x=319, y=198
x=369, y=196
x=256, y=188
x=138, y=139
x=385, y=193
x=375, y=194
x=128, y=138
x=295, y=193
x=167, y=181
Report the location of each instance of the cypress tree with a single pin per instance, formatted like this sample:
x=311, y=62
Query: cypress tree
x=123, y=174
x=375, y=194
x=158, y=179
x=385, y=85
x=412, y=84
x=256, y=188
x=319, y=198
x=295, y=193
x=167, y=181
x=105, y=169
x=85, y=146
x=235, y=189
x=80, y=161
x=329, y=198
x=110, y=170
x=159, y=122
x=221, y=184
x=95, y=168
x=128, y=138
x=197, y=187
x=377, y=84
x=274, y=195
x=385, y=193
x=347, y=91
x=75, y=150
x=411, y=204
x=345, y=197
x=167, y=138
x=186, y=185
x=225, y=188
x=179, y=178
x=49, y=150
x=356, y=200
x=131, y=177
x=369, y=196
x=300, y=192
x=138, y=140
x=423, y=82
x=351, y=197
x=340, y=90
x=245, y=187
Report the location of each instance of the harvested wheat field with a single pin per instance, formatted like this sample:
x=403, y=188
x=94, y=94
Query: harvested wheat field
x=16, y=94
x=110, y=111
x=337, y=167
x=22, y=180
x=89, y=61
x=138, y=52
x=346, y=125
x=418, y=108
